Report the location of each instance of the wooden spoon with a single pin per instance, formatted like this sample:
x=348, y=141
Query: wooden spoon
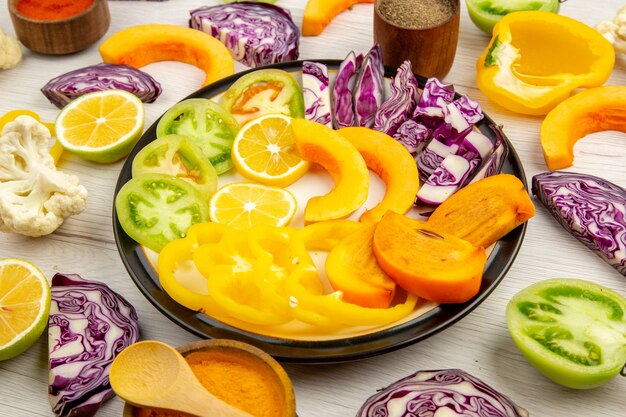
x=153, y=374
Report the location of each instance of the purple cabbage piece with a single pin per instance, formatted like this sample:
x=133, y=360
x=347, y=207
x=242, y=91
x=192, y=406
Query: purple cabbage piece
x=66, y=87
x=454, y=129
x=436, y=94
x=342, y=105
x=494, y=163
x=470, y=109
x=89, y=324
x=445, y=180
x=316, y=91
x=449, y=392
x=396, y=109
x=368, y=88
x=592, y=209
x=414, y=136
x=432, y=156
x=255, y=33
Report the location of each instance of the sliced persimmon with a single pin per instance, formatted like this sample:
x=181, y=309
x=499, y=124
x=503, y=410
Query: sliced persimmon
x=393, y=163
x=435, y=266
x=352, y=268
x=322, y=145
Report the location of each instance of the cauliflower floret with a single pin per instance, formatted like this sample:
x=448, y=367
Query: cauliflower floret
x=35, y=198
x=10, y=51
x=615, y=30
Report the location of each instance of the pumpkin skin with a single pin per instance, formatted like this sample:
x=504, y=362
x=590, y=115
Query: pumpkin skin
x=322, y=145
x=436, y=266
x=590, y=111
x=319, y=13
x=141, y=45
x=391, y=161
x=484, y=211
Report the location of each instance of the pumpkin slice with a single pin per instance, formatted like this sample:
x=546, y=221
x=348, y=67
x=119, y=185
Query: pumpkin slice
x=319, y=13
x=141, y=45
x=390, y=160
x=484, y=211
x=352, y=268
x=322, y=145
x=593, y=110
x=438, y=267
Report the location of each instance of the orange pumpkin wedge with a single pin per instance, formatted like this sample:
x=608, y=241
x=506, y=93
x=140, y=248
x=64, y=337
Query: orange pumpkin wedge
x=484, y=211
x=322, y=145
x=391, y=161
x=319, y=13
x=141, y=45
x=590, y=111
x=352, y=268
x=438, y=267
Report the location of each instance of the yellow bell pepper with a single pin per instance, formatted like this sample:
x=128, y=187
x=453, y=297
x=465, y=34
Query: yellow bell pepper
x=536, y=59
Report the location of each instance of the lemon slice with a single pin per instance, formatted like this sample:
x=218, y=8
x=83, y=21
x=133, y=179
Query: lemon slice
x=243, y=205
x=102, y=126
x=24, y=306
x=265, y=151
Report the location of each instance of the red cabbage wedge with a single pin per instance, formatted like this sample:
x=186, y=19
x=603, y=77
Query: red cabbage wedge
x=316, y=92
x=342, y=105
x=255, y=33
x=66, y=87
x=368, y=88
x=401, y=104
x=448, y=392
x=592, y=209
x=89, y=325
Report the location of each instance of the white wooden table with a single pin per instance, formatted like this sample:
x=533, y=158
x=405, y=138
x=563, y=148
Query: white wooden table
x=479, y=343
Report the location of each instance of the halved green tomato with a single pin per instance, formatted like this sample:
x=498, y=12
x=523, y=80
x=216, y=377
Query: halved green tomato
x=486, y=13
x=571, y=330
x=177, y=156
x=260, y=92
x=154, y=209
x=207, y=124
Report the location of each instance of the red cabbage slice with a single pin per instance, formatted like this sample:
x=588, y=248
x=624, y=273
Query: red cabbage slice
x=89, y=324
x=66, y=87
x=448, y=392
x=368, y=88
x=255, y=33
x=400, y=106
x=316, y=91
x=414, y=136
x=494, y=163
x=432, y=156
x=590, y=208
x=436, y=94
x=470, y=109
x=342, y=105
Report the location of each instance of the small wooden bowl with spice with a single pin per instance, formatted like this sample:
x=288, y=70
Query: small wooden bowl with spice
x=58, y=27
x=422, y=31
x=237, y=373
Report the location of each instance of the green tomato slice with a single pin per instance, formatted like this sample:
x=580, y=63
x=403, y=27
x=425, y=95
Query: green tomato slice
x=486, y=13
x=261, y=92
x=154, y=209
x=571, y=330
x=206, y=123
x=179, y=157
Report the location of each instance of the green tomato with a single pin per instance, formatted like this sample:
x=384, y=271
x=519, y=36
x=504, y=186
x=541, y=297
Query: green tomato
x=571, y=330
x=207, y=124
x=154, y=209
x=486, y=13
x=177, y=156
x=260, y=92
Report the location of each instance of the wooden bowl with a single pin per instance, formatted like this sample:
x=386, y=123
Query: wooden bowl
x=65, y=36
x=251, y=355
x=431, y=50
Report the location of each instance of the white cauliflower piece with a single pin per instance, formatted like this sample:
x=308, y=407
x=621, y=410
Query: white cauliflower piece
x=615, y=30
x=35, y=198
x=10, y=51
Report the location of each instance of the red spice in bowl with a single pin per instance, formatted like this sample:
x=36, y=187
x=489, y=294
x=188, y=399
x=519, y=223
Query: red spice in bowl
x=52, y=9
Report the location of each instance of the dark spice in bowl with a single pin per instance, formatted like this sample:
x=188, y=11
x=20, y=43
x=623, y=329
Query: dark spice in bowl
x=416, y=14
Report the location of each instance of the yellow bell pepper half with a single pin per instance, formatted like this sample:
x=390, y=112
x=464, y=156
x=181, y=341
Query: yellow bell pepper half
x=536, y=59
x=263, y=276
